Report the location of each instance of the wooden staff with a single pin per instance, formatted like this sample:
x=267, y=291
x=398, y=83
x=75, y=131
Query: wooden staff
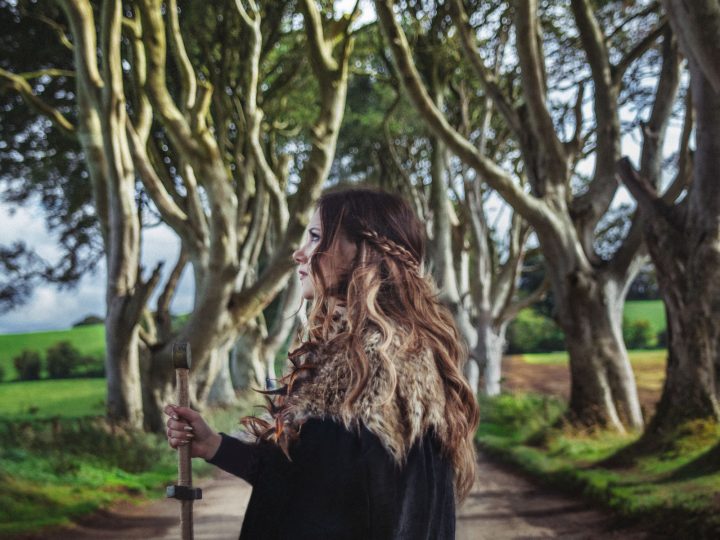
x=183, y=490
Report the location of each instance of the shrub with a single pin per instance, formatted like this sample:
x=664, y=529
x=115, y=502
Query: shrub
x=27, y=364
x=2, y=373
x=662, y=338
x=88, y=320
x=63, y=359
x=519, y=415
x=534, y=332
x=638, y=334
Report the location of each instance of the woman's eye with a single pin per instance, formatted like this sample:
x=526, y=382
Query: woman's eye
x=314, y=237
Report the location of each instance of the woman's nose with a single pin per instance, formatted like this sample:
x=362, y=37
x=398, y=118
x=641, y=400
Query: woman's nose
x=298, y=255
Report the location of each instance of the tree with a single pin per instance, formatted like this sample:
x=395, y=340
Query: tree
x=210, y=168
x=27, y=365
x=476, y=268
x=588, y=291
x=41, y=164
x=63, y=360
x=684, y=238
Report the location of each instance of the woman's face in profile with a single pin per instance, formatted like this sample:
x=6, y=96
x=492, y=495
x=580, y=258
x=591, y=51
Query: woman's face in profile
x=330, y=266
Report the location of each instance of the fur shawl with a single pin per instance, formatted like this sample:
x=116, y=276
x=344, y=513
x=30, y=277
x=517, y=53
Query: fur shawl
x=398, y=414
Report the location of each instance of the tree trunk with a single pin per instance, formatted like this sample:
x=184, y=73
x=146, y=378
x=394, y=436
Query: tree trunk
x=472, y=373
x=690, y=389
x=442, y=252
x=489, y=352
x=603, y=390
x=248, y=368
x=685, y=248
x=102, y=118
x=221, y=392
x=122, y=368
x=157, y=391
x=124, y=287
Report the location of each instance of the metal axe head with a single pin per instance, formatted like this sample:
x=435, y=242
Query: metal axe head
x=181, y=355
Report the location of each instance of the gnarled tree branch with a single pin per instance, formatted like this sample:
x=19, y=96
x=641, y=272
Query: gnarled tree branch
x=532, y=209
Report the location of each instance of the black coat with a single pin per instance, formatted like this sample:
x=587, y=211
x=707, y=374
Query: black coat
x=342, y=485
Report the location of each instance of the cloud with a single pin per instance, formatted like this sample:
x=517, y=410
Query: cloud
x=53, y=309
x=27, y=224
x=161, y=244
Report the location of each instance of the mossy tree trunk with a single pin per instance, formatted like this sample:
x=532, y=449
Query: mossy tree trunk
x=684, y=238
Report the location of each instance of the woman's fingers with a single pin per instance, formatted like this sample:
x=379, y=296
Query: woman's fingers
x=179, y=425
x=179, y=432
x=174, y=443
x=185, y=413
x=186, y=425
x=178, y=438
x=170, y=411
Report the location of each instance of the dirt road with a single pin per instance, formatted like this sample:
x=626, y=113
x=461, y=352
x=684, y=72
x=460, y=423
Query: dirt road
x=501, y=506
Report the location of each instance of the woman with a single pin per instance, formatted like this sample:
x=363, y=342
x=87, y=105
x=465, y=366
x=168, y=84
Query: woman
x=370, y=436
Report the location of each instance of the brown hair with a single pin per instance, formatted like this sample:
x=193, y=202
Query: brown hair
x=385, y=285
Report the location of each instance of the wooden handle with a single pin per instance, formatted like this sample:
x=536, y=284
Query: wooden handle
x=181, y=361
x=184, y=461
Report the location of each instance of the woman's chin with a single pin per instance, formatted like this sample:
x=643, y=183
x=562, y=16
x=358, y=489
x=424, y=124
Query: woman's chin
x=309, y=296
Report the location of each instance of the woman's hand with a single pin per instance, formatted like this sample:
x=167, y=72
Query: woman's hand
x=186, y=425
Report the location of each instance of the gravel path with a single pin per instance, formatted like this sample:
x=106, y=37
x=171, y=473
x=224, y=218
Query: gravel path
x=502, y=505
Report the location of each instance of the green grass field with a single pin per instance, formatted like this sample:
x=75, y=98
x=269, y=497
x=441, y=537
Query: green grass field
x=652, y=311
x=89, y=340
x=67, y=398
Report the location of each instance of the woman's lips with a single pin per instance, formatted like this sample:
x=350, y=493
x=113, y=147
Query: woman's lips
x=302, y=274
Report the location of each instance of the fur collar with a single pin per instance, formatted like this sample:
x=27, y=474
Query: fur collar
x=398, y=417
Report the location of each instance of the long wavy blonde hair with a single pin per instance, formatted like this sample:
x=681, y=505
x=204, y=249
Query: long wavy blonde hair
x=385, y=285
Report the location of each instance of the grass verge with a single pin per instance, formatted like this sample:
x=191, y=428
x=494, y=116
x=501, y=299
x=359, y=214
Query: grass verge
x=671, y=490
x=56, y=470
x=639, y=357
